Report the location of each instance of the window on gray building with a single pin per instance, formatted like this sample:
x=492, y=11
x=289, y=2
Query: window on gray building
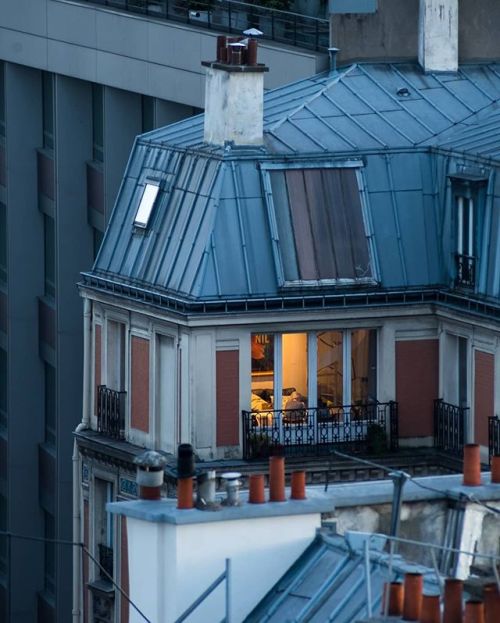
x=3, y=243
x=320, y=224
x=97, y=123
x=2, y=98
x=97, y=240
x=148, y=113
x=3, y=390
x=48, y=109
x=49, y=256
x=50, y=405
x=49, y=554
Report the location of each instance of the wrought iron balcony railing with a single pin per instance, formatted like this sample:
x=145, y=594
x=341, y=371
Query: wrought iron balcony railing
x=466, y=270
x=106, y=560
x=371, y=427
x=233, y=17
x=449, y=427
x=493, y=436
x=111, y=412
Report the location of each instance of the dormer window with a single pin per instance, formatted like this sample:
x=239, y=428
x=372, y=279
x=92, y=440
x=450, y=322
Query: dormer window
x=321, y=237
x=146, y=205
x=468, y=198
x=466, y=259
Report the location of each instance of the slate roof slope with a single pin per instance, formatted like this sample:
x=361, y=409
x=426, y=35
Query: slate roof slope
x=210, y=236
x=328, y=583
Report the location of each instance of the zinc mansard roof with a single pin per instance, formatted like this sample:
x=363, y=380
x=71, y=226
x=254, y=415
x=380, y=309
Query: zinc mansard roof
x=210, y=235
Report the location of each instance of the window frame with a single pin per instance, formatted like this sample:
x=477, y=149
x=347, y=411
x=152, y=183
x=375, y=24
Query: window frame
x=143, y=223
x=266, y=169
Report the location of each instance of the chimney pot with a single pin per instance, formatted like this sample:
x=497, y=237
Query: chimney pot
x=453, y=589
x=431, y=611
x=474, y=612
x=413, y=587
x=277, y=479
x=298, y=485
x=149, y=477
x=495, y=469
x=491, y=597
x=472, y=465
x=256, y=489
x=396, y=599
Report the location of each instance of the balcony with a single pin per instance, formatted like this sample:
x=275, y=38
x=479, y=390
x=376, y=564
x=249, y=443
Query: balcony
x=371, y=427
x=449, y=427
x=111, y=412
x=466, y=271
x=493, y=436
x=232, y=16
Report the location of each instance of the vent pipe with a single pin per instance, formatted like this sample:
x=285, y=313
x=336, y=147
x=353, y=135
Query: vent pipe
x=233, y=485
x=185, y=473
x=205, y=491
x=149, y=477
x=332, y=53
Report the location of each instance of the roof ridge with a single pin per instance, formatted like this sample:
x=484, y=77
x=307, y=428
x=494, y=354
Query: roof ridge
x=308, y=101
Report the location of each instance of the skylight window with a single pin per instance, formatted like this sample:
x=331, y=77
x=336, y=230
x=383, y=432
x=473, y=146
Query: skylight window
x=146, y=205
x=320, y=225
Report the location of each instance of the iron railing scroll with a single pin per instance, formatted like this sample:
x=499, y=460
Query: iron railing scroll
x=111, y=412
x=449, y=427
x=466, y=271
x=371, y=427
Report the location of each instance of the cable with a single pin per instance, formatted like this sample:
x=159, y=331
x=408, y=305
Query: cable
x=86, y=551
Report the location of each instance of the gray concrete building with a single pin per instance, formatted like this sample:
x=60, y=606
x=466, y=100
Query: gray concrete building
x=78, y=82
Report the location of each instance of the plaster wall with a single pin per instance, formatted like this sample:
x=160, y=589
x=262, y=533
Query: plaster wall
x=438, y=35
x=177, y=557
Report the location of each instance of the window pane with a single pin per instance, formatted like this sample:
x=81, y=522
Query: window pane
x=146, y=205
x=50, y=405
x=97, y=123
x=262, y=371
x=50, y=256
x=48, y=110
x=3, y=243
x=330, y=374
x=363, y=366
x=294, y=370
x=148, y=113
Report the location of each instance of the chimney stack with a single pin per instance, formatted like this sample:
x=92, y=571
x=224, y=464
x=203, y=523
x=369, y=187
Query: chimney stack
x=438, y=35
x=150, y=466
x=234, y=94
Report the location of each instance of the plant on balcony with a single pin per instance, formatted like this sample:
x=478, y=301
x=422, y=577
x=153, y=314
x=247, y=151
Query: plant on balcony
x=259, y=444
x=376, y=439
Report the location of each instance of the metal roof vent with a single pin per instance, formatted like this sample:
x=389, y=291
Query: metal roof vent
x=332, y=53
x=403, y=92
x=150, y=466
x=205, y=491
x=233, y=485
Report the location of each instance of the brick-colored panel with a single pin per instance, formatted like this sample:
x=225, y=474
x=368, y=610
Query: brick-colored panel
x=139, y=417
x=417, y=386
x=484, y=394
x=85, y=561
x=124, y=614
x=227, y=395
x=97, y=361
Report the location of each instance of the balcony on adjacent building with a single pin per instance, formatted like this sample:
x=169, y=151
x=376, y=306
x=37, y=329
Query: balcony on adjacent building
x=466, y=270
x=449, y=427
x=370, y=427
x=111, y=412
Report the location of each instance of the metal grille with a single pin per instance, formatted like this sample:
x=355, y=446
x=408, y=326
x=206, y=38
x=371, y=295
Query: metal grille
x=466, y=270
x=369, y=427
x=449, y=427
x=493, y=436
x=111, y=412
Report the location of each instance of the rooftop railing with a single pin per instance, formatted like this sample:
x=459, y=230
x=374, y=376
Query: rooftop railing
x=111, y=412
x=370, y=427
x=449, y=427
x=466, y=270
x=233, y=17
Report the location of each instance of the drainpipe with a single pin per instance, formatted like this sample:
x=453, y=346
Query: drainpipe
x=84, y=424
x=398, y=478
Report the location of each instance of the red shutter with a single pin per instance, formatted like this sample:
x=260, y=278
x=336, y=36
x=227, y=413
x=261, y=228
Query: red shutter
x=417, y=385
x=139, y=417
x=484, y=371
x=228, y=390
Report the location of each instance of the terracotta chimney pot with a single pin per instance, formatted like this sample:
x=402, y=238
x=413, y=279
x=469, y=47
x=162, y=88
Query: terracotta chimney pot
x=185, y=493
x=256, y=489
x=431, y=610
x=474, y=612
x=298, y=485
x=453, y=590
x=491, y=597
x=396, y=599
x=472, y=465
x=413, y=587
x=277, y=479
x=495, y=469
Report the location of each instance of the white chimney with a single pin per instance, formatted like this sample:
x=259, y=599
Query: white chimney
x=438, y=35
x=234, y=94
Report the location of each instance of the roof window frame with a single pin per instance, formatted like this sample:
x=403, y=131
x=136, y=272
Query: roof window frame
x=143, y=224
x=358, y=164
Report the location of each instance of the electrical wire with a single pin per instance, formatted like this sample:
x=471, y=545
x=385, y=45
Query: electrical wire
x=87, y=553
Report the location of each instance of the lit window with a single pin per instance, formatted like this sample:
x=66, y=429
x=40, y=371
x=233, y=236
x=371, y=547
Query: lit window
x=320, y=225
x=146, y=205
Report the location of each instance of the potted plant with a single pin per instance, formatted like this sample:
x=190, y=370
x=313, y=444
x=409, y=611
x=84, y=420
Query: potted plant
x=376, y=439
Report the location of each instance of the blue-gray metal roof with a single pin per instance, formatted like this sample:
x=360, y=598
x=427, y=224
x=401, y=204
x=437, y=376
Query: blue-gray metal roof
x=328, y=583
x=210, y=235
